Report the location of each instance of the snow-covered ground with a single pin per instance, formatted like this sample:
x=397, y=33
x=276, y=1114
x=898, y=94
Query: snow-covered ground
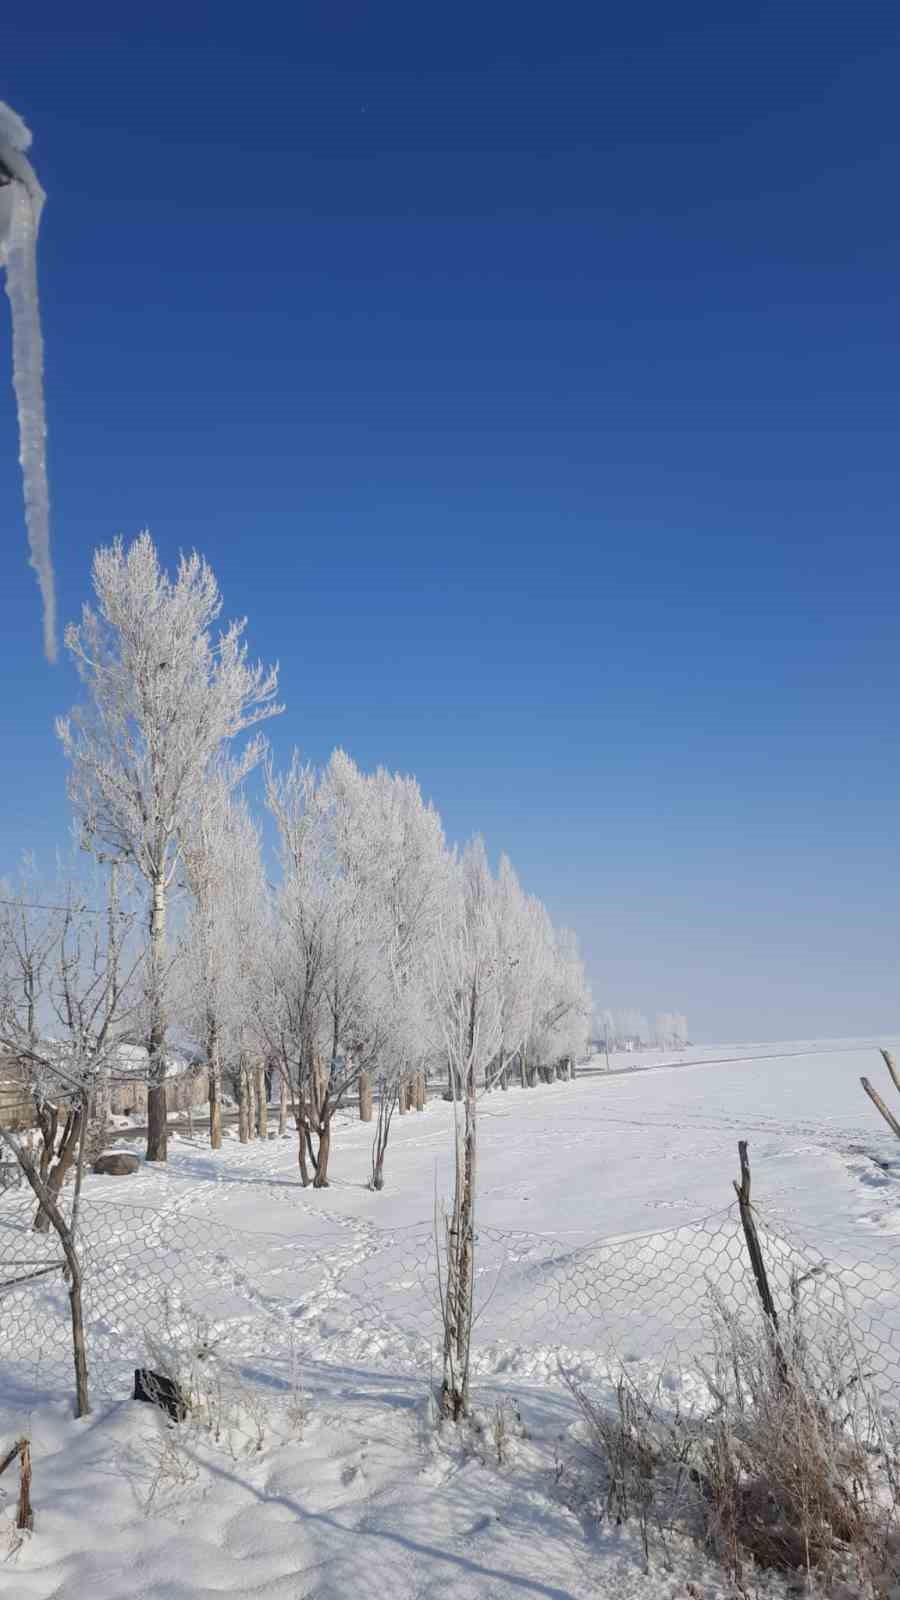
x=372, y=1498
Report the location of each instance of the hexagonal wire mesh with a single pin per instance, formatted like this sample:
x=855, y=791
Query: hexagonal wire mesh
x=362, y=1298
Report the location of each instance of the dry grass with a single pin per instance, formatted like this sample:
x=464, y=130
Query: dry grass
x=791, y=1468
x=797, y=1471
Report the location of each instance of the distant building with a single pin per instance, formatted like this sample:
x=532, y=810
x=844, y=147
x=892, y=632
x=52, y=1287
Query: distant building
x=186, y=1085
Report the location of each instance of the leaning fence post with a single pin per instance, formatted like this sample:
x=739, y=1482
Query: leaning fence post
x=876, y=1099
x=891, y=1065
x=754, y=1250
x=24, y=1513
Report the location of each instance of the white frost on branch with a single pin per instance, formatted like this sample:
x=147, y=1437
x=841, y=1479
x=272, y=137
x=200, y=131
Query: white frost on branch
x=21, y=203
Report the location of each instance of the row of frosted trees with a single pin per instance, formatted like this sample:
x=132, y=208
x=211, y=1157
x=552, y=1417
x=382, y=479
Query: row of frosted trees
x=622, y=1030
x=341, y=969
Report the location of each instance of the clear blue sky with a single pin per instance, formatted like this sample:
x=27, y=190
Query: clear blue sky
x=529, y=375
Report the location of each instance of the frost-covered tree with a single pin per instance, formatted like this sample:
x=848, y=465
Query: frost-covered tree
x=223, y=942
x=671, y=1030
x=324, y=1006
x=166, y=696
x=519, y=955
x=391, y=845
x=631, y=1027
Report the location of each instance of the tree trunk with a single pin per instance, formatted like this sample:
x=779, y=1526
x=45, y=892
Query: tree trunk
x=387, y=1102
x=214, y=1067
x=460, y=1271
x=365, y=1097
x=100, y=1116
x=282, y=1105
x=79, y=1351
x=320, y=1181
x=73, y=1267
x=252, y=1100
x=262, y=1102
x=157, y=1120
x=243, y=1091
x=56, y=1177
x=421, y=1091
x=48, y=1119
x=302, y=1136
x=461, y=1245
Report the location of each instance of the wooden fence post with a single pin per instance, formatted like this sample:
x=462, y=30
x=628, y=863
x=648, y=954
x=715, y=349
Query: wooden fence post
x=876, y=1099
x=757, y=1260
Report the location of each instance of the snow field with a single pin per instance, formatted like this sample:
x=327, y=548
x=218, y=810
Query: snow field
x=339, y=1284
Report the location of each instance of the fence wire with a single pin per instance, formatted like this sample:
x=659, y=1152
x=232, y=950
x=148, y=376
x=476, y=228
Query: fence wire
x=366, y=1300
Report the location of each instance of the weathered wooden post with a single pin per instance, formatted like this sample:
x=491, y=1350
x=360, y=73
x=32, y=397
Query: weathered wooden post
x=757, y=1260
x=24, y=1513
x=876, y=1099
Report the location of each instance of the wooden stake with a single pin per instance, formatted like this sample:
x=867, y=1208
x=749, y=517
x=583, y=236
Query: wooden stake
x=891, y=1065
x=754, y=1248
x=24, y=1513
x=876, y=1099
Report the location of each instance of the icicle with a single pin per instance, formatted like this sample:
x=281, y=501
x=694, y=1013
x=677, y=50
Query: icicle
x=21, y=203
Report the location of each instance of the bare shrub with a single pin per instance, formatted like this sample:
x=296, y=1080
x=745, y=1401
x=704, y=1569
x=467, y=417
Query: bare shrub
x=506, y=1426
x=297, y=1406
x=218, y=1405
x=645, y=1452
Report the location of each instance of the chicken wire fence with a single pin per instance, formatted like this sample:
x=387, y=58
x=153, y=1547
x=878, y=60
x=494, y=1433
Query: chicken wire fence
x=365, y=1300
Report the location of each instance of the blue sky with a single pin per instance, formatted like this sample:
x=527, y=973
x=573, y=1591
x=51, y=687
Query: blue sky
x=529, y=376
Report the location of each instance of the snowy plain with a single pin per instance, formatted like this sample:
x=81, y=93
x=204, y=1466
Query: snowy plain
x=373, y=1498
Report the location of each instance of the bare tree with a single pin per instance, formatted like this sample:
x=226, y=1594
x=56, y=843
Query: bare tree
x=165, y=699
x=221, y=942
x=388, y=1101
x=467, y=997
x=86, y=1009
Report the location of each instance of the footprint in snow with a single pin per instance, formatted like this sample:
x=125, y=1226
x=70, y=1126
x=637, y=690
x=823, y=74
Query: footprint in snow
x=480, y=1526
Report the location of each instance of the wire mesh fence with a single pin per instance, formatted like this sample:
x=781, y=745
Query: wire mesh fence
x=367, y=1299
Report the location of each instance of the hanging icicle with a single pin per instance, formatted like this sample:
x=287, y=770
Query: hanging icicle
x=21, y=203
